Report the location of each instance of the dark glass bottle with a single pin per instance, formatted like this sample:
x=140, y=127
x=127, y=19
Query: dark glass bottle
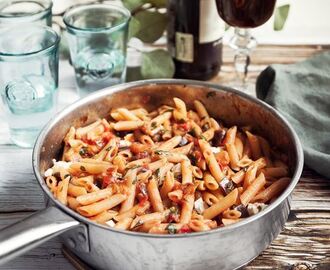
x=194, y=38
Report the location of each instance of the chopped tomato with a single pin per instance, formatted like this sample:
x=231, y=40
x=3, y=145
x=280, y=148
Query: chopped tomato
x=138, y=147
x=106, y=136
x=110, y=171
x=105, y=125
x=88, y=141
x=107, y=179
x=188, y=189
x=172, y=218
x=100, y=141
x=145, y=166
x=198, y=155
x=176, y=200
x=196, y=143
x=222, y=166
x=143, y=198
x=183, y=126
x=185, y=229
x=141, y=155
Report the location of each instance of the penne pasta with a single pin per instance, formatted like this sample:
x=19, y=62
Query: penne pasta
x=209, y=198
x=187, y=207
x=221, y=205
x=168, y=185
x=211, y=161
x=210, y=182
x=154, y=195
x=272, y=191
x=201, y=110
x=127, y=115
x=147, y=217
x=86, y=167
x=104, y=216
x=62, y=190
x=198, y=225
x=100, y=206
x=231, y=214
x=255, y=145
x=183, y=149
x=72, y=202
x=186, y=172
x=94, y=196
x=128, y=125
x=174, y=169
x=124, y=223
x=169, y=144
x=253, y=189
x=76, y=191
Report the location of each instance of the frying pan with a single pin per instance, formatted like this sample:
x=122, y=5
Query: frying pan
x=109, y=248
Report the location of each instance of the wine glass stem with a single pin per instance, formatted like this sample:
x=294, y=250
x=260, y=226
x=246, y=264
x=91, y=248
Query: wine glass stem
x=242, y=42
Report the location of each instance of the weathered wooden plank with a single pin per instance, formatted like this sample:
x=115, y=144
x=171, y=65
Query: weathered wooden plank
x=47, y=256
x=19, y=191
x=305, y=239
x=271, y=54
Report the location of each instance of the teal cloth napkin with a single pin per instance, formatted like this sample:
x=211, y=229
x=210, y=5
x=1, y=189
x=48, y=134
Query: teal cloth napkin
x=301, y=92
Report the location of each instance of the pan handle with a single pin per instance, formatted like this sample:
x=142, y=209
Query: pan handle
x=33, y=231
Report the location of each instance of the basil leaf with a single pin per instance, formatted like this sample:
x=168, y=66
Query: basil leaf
x=171, y=228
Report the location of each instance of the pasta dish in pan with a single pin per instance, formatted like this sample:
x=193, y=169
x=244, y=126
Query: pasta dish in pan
x=168, y=171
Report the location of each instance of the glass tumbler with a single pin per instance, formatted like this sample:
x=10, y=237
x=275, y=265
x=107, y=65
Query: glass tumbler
x=25, y=11
x=97, y=37
x=28, y=79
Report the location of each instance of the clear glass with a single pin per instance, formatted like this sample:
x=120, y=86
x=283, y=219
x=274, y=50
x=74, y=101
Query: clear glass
x=25, y=11
x=243, y=43
x=97, y=37
x=28, y=79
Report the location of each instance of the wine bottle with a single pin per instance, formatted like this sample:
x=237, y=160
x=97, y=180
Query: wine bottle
x=194, y=38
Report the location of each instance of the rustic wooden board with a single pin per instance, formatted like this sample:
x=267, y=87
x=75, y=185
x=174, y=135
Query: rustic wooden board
x=304, y=242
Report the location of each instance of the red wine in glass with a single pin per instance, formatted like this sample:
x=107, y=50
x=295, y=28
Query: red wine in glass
x=244, y=14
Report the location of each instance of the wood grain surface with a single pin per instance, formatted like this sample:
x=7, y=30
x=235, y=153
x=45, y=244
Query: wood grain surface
x=303, y=244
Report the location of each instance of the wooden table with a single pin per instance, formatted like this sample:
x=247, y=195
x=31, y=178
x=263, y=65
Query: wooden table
x=304, y=243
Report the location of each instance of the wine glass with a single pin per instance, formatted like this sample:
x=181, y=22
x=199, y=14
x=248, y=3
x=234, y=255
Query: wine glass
x=243, y=15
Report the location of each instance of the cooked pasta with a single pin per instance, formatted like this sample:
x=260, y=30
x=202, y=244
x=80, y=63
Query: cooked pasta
x=172, y=170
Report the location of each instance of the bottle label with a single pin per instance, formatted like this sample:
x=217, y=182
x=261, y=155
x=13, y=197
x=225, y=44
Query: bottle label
x=184, y=44
x=211, y=26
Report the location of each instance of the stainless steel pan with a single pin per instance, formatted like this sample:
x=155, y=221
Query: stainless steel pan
x=107, y=248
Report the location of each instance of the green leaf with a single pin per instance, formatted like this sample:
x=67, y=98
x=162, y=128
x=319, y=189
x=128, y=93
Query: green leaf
x=158, y=3
x=133, y=74
x=134, y=28
x=157, y=64
x=152, y=25
x=133, y=4
x=281, y=14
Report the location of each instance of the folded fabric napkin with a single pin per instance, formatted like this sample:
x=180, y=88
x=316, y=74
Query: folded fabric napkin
x=301, y=92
